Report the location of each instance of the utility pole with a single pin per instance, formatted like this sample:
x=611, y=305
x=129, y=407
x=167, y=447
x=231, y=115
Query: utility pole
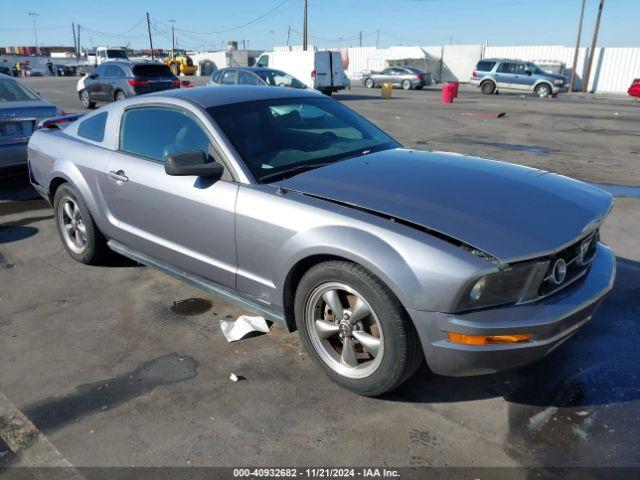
x=75, y=43
x=150, y=40
x=304, y=28
x=173, y=36
x=288, y=35
x=34, y=15
x=575, y=55
x=377, y=38
x=79, y=47
x=585, y=85
x=360, y=42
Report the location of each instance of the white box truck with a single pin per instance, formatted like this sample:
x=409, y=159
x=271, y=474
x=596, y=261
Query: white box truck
x=320, y=70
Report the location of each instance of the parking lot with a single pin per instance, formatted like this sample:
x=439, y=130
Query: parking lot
x=121, y=365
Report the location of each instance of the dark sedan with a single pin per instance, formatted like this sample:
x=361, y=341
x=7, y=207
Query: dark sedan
x=118, y=80
x=20, y=109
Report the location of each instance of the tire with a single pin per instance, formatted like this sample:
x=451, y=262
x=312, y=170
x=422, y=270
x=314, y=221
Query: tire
x=86, y=100
x=78, y=232
x=487, y=87
x=369, y=83
x=406, y=85
x=543, y=90
x=120, y=95
x=327, y=92
x=393, y=352
x=175, y=68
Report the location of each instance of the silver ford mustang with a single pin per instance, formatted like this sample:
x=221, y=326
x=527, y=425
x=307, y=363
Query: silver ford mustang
x=293, y=206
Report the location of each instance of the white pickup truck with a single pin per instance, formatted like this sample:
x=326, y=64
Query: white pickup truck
x=106, y=54
x=320, y=70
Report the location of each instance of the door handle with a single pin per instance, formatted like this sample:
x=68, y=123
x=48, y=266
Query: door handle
x=119, y=176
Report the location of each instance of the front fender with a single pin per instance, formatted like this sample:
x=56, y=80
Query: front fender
x=358, y=246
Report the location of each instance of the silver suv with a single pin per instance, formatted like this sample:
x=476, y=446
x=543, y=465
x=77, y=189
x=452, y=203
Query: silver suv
x=494, y=75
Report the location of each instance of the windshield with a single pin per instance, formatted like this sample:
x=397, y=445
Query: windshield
x=117, y=54
x=280, y=136
x=12, y=91
x=276, y=78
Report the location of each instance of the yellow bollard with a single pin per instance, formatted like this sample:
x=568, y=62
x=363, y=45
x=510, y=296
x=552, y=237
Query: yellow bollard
x=387, y=87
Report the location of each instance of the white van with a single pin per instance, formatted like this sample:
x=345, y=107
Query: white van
x=106, y=54
x=320, y=70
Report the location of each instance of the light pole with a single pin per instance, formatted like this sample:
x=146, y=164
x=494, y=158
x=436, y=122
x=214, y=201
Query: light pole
x=34, y=15
x=173, y=36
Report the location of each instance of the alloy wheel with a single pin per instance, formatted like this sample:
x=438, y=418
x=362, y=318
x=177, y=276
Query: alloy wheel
x=344, y=330
x=72, y=225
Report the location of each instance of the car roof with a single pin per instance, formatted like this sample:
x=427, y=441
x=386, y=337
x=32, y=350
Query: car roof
x=251, y=69
x=131, y=63
x=208, y=97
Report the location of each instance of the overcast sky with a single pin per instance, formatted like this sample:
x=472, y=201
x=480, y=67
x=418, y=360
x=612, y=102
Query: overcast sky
x=264, y=23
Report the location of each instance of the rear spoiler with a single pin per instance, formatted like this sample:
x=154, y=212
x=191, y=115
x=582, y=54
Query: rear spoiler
x=60, y=121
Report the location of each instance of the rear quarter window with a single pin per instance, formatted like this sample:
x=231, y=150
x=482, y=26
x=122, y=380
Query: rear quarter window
x=93, y=128
x=485, y=66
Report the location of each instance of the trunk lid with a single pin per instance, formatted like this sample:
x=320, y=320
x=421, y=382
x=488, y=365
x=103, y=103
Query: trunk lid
x=18, y=119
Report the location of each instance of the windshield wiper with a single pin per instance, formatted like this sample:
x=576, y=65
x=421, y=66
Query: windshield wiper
x=293, y=170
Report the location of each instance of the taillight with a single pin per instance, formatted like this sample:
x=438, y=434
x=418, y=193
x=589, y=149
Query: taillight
x=313, y=74
x=138, y=83
x=474, y=74
x=421, y=76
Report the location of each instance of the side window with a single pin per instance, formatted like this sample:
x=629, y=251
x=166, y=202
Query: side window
x=520, y=68
x=263, y=61
x=485, y=66
x=246, y=78
x=506, y=67
x=99, y=72
x=228, y=77
x=119, y=73
x=215, y=76
x=387, y=71
x=155, y=132
x=111, y=71
x=93, y=128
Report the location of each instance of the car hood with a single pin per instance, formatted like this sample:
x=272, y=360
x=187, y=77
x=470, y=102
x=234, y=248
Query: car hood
x=555, y=76
x=27, y=109
x=508, y=211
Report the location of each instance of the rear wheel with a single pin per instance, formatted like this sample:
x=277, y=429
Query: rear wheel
x=86, y=100
x=406, y=85
x=369, y=83
x=487, y=87
x=355, y=328
x=543, y=90
x=78, y=232
x=120, y=95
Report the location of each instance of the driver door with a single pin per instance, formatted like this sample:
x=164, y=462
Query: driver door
x=186, y=222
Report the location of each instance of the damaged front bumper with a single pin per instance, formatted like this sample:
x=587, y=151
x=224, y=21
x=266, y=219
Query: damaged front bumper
x=551, y=321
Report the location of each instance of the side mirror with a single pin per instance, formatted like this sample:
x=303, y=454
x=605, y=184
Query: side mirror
x=528, y=72
x=93, y=76
x=193, y=163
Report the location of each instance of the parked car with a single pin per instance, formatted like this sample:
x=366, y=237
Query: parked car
x=119, y=80
x=63, y=70
x=634, y=89
x=291, y=205
x=323, y=70
x=33, y=72
x=405, y=77
x=5, y=70
x=20, y=109
x=258, y=76
x=495, y=75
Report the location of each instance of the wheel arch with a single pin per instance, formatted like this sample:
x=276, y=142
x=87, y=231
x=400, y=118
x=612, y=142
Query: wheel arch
x=543, y=82
x=488, y=79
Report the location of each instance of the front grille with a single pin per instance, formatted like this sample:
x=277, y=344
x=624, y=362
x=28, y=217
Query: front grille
x=16, y=130
x=577, y=259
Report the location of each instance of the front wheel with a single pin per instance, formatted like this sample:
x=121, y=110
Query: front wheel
x=406, y=85
x=355, y=328
x=86, y=100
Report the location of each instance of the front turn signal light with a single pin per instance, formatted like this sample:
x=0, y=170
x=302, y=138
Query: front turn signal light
x=488, y=339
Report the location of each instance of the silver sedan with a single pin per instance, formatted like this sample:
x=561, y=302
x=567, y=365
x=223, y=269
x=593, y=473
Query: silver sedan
x=295, y=207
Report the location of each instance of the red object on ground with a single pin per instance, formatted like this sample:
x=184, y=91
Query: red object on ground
x=455, y=86
x=186, y=84
x=447, y=94
x=634, y=89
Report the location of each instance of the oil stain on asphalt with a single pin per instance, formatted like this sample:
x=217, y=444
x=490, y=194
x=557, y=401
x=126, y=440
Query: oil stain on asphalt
x=191, y=306
x=53, y=413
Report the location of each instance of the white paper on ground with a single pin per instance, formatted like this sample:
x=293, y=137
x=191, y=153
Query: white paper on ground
x=236, y=329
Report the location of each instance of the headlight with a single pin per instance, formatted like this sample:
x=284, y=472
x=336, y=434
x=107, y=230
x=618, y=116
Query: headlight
x=558, y=82
x=515, y=283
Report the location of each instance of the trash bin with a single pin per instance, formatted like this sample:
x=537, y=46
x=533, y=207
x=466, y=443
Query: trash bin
x=387, y=87
x=455, y=86
x=447, y=94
